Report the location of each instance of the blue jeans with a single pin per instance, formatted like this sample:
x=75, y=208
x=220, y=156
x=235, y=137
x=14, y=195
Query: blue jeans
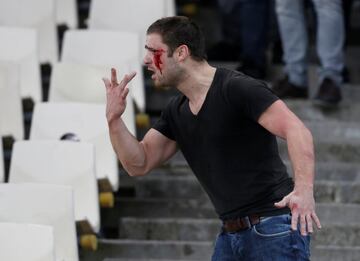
x=329, y=39
x=271, y=239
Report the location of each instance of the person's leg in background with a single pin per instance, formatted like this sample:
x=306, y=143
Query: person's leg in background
x=229, y=47
x=294, y=38
x=329, y=46
x=244, y=29
x=254, y=18
x=347, y=8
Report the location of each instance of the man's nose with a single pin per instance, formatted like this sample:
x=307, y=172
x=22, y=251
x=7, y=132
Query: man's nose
x=147, y=59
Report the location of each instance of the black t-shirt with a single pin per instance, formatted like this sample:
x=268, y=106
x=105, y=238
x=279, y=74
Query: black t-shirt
x=235, y=159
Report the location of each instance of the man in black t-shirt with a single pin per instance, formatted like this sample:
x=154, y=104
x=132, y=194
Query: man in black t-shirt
x=225, y=124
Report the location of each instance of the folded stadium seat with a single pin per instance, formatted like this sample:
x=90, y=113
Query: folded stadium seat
x=61, y=163
x=88, y=123
x=2, y=167
x=26, y=242
x=72, y=82
x=11, y=116
x=170, y=8
x=128, y=15
x=19, y=46
x=66, y=13
x=42, y=204
x=107, y=49
x=37, y=14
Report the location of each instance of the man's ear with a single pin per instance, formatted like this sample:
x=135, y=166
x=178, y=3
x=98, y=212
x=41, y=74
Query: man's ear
x=182, y=52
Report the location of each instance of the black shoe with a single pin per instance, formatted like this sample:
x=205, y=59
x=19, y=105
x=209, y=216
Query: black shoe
x=329, y=94
x=285, y=89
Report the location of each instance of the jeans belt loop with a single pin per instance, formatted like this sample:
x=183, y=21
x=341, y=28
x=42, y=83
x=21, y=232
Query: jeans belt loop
x=247, y=221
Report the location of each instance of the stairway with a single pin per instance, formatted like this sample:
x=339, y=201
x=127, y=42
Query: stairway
x=167, y=216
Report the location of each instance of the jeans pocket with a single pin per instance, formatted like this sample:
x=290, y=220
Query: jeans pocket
x=301, y=245
x=271, y=227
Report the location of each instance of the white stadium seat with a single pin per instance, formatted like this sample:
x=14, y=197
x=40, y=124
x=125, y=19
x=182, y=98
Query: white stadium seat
x=170, y=8
x=11, y=115
x=2, y=168
x=37, y=14
x=107, y=49
x=66, y=13
x=88, y=122
x=128, y=15
x=26, y=242
x=42, y=204
x=83, y=83
x=62, y=163
x=20, y=46
x=72, y=82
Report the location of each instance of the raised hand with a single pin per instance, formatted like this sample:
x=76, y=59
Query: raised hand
x=116, y=94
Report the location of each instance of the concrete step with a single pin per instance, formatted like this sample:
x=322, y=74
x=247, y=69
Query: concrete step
x=112, y=250
x=338, y=234
x=181, y=229
x=336, y=171
x=137, y=259
x=188, y=188
x=338, y=150
x=335, y=253
x=149, y=249
x=157, y=100
x=347, y=110
x=154, y=208
x=337, y=192
x=334, y=130
x=331, y=171
x=305, y=110
x=185, y=208
x=330, y=151
x=276, y=73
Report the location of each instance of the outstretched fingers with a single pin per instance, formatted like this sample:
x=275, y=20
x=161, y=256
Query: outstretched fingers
x=109, y=84
x=127, y=78
x=124, y=93
x=114, y=81
x=294, y=220
x=306, y=222
x=316, y=219
x=106, y=83
x=309, y=224
x=303, y=225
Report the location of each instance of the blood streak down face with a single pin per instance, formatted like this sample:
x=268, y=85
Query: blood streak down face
x=157, y=59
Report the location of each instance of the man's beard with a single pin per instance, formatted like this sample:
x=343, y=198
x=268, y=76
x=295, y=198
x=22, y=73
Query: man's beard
x=170, y=81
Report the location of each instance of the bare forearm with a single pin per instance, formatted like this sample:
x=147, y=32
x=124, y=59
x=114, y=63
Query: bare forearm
x=128, y=149
x=301, y=152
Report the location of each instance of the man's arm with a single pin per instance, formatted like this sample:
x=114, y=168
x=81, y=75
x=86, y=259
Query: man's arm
x=136, y=157
x=280, y=121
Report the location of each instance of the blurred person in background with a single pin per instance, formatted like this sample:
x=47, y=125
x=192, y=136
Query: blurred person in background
x=244, y=27
x=330, y=35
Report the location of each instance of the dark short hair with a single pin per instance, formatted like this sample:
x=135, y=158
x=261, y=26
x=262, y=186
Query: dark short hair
x=179, y=30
